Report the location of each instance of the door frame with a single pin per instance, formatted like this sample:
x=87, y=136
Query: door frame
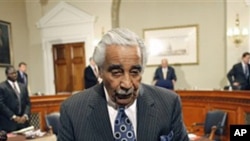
x=48, y=60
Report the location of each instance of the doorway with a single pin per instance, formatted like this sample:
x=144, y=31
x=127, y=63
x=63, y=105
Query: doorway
x=69, y=64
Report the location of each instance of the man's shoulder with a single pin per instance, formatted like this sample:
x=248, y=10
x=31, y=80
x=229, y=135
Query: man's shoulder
x=170, y=67
x=238, y=64
x=83, y=97
x=78, y=97
x=3, y=83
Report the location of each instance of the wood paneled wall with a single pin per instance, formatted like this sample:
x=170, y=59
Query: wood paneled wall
x=196, y=104
x=43, y=105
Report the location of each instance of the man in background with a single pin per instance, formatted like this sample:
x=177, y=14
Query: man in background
x=238, y=76
x=165, y=75
x=22, y=76
x=91, y=74
x=14, y=103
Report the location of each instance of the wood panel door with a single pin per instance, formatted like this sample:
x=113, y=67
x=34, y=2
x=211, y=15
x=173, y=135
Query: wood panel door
x=69, y=63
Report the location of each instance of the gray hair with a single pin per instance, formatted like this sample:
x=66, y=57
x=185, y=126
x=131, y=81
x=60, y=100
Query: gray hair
x=122, y=37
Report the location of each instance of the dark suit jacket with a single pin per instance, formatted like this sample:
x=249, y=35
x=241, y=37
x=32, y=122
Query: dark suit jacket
x=236, y=74
x=89, y=77
x=21, y=79
x=170, y=76
x=9, y=106
x=84, y=116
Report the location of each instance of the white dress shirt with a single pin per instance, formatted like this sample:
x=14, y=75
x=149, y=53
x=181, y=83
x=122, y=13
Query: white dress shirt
x=14, y=83
x=164, y=71
x=112, y=109
x=244, y=66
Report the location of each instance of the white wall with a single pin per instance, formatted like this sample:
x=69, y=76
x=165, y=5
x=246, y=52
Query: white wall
x=216, y=52
x=234, y=52
x=35, y=11
x=13, y=11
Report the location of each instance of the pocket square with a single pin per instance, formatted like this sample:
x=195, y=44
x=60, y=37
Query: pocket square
x=167, y=137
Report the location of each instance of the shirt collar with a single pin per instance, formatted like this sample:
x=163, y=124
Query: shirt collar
x=243, y=64
x=12, y=83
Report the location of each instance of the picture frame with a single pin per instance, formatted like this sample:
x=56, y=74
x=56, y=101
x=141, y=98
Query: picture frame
x=178, y=44
x=5, y=44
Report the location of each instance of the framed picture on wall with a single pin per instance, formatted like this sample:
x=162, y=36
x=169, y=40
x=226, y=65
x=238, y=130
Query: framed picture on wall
x=178, y=44
x=5, y=44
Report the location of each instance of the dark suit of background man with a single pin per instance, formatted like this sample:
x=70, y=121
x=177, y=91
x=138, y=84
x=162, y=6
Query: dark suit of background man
x=91, y=74
x=238, y=76
x=14, y=103
x=97, y=113
x=22, y=76
x=165, y=75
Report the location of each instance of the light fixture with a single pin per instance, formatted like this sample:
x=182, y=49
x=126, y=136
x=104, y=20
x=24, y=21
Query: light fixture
x=237, y=33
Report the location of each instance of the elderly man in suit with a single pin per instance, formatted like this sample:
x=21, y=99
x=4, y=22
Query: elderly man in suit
x=121, y=107
x=165, y=75
x=14, y=103
x=238, y=76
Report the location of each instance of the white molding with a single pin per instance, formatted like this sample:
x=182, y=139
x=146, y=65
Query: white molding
x=64, y=14
x=63, y=24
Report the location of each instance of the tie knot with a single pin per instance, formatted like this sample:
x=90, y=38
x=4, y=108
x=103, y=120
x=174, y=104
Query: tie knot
x=121, y=108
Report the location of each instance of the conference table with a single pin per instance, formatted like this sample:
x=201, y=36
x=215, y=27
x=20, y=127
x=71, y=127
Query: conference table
x=22, y=138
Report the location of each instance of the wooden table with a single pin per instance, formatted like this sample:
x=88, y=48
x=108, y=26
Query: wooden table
x=196, y=103
x=199, y=138
x=22, y=138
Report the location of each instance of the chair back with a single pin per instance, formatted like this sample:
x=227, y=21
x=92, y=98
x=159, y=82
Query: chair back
x=215, y=118
x=53, y=120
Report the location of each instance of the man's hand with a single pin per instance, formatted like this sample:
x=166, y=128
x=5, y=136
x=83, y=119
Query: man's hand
x=23, y=119
x=236, y=84
x=19, y=119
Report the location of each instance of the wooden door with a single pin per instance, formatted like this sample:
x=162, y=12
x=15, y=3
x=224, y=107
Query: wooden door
x=69, y=63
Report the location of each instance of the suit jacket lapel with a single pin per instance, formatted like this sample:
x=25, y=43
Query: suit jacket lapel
x=99, y=116
x=146, y=119
x=10, y=88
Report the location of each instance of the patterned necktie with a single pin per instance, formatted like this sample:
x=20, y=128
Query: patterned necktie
x=123, y=127
x=18, y=97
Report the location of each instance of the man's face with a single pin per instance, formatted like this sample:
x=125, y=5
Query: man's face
x=92, y=62
x=22, y=68
x=164, y=63
x=121, y=73
x=12, y=74
x=246, y=59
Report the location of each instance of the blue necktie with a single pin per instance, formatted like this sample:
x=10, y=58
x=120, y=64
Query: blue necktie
x=123, y=127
